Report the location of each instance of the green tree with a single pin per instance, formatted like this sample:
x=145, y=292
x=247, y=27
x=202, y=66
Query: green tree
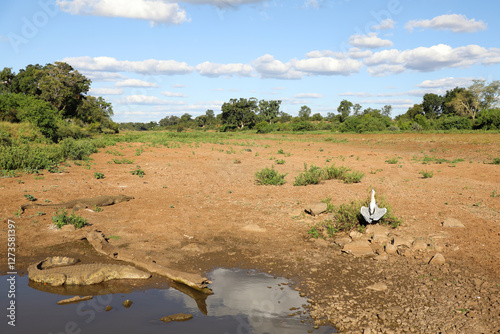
x=239, y=112
x=304, y=113
x=269, y=110
x=432, y=105
x=6, y=78
x=344, y=109
x=27, y=80
x=63, y=87
x=317, y=117
x=386, y=110
x=414, y=111
x=356, y=109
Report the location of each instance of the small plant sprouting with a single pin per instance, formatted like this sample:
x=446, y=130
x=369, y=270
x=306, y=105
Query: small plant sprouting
x=30, y=198
x=269, y=176
x=494, y=194
x=98, y=175
x=20, y=181
x=392, y=161
x=97, y=209
x=138, y=171
x=280, y=162
x=61, y=218
x=123, y=161
x=280, y=151
x=139, y=151
x=426, y=174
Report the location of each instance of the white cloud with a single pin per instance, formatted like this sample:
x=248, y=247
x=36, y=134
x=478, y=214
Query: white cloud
x=135, y=83
x=358, y=53
x=308, y=96
x=178, y=86
x=172, y=94
x=149, y=66
x=384, y=25
x=97, y=76
x=154, y=11
x=328, y=66
x=268, y=67
x=453, y=22
x=425, y=59
x=221, y=3
x=324, y=53
x=387, y=101
x=216, y=70
x=147, y=99
x=446, y=83
x=369, y=41
x=105, y=91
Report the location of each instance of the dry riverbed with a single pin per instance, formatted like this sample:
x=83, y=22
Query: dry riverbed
x=198, y=208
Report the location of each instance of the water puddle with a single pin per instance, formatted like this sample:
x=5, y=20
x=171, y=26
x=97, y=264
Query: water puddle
x=243, y=302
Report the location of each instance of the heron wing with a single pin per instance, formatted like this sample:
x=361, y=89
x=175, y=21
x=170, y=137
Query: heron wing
x=379, y=213
x=366, y=214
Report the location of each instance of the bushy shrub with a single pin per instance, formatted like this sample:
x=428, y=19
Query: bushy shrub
x=488, y=120
x=77, y=149
x=302, y=126
x=269, y=176
x=454, y=122
x=29, y=157
x=62, y=218
x=264, y=127
x=312, y=175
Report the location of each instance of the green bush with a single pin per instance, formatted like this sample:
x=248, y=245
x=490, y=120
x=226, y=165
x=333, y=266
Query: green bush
x=138, y=171
x=313, y=175
x=61, y=218
x=488, y=120
x=77, y=149
x=269, y=176
x=426, y=174
x=29, y=157
x=353, y=177
x=98, y=175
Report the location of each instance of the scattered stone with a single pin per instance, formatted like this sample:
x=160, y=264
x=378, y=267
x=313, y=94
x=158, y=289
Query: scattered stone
x=75, y=299
x=377, y=287
x=367, y=331
x=401, y=241
x=108, y=308
x=177, y=317
x=390, y=249
x=359, y=248
x=127, y=303
x=253, y=228
x=343, y=241
x=452, y=222
x=377, y=229
x=68, y=228
x=419, y=245
x=379, y=237
x=441, y=235
x=315, y=209
x=356, y=235
x=437, y=259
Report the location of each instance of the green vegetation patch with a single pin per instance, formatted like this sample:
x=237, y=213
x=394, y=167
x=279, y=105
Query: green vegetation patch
x=61, y=218
x=347, y=217
x=269, y=176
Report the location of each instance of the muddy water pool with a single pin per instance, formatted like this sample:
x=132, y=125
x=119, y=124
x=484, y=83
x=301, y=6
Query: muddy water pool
x=243, y=302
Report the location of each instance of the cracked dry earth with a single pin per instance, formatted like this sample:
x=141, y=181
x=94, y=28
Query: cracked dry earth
x=198, y=208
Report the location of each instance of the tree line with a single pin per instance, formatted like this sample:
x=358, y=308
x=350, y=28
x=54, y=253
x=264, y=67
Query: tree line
x=53, y=98
x=474, y=107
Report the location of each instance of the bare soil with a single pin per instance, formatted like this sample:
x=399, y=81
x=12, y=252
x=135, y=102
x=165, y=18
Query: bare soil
x=198, y=207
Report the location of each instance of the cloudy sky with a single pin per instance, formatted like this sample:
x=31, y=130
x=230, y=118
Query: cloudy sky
x=153, y=58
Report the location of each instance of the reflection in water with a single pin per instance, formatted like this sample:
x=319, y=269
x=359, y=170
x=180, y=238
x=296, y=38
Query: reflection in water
x=243, y=302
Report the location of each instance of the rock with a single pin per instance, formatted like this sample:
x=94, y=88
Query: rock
x=177, y=317
x=68, y=228
x=108, y=308
x=441, y=235
x=355, y=235
x=191, y=248
x=127, y=303
x=419, y=245
x=377, y=229
x=75, y=299
x=343, y=241
x=390, y=249
x=315, y=209
x=379, y=237
x=367, y=331
x=401, y=241
x=452, y=222
x=358, y=248
x=377, y=287
x=253, y=228
x=437, y=259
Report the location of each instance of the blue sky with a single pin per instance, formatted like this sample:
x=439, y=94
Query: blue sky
x=154, y=58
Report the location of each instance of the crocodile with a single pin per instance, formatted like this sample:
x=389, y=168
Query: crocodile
x=82, y=203
x=59, y=270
